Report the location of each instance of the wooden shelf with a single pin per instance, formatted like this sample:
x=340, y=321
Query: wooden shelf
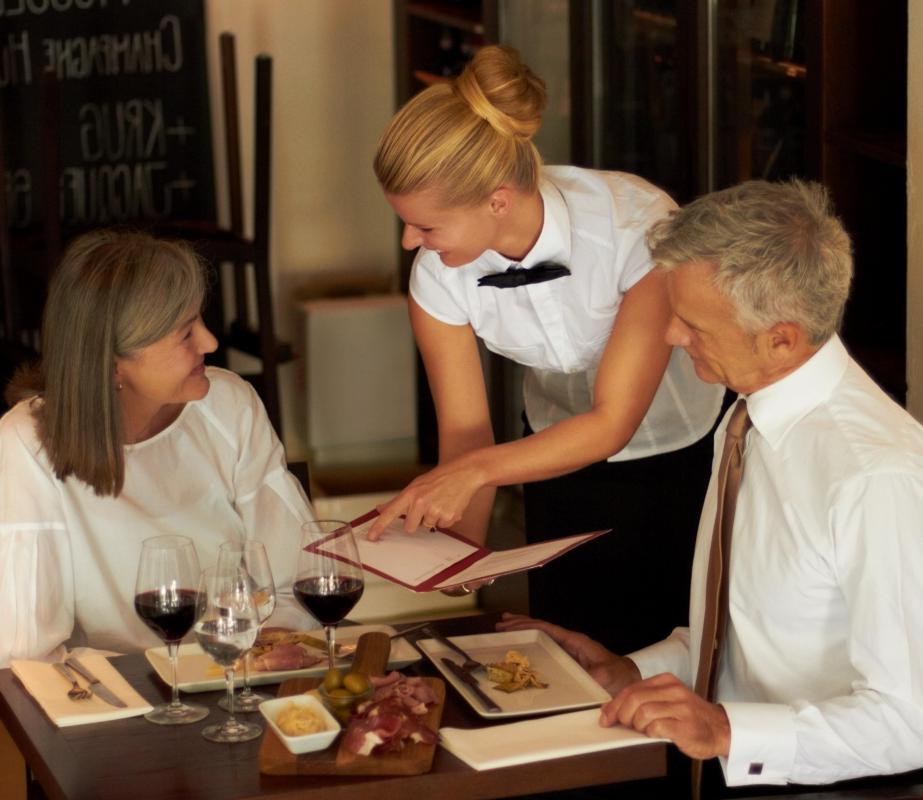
x=652, y=21
x=788, y=69
x=429, y=78
x=464, y=17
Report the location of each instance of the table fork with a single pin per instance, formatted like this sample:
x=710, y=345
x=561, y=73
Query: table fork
x=76, y=692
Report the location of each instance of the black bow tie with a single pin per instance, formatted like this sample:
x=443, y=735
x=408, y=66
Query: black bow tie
x=515, y=275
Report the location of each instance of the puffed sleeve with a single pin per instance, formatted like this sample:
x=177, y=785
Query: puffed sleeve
x=638, y=205
x=271, y=503
x=428, y=288
x=36, y=573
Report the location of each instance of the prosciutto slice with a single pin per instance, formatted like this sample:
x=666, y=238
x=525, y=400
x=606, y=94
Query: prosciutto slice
x=392, y=717
x=284, y=657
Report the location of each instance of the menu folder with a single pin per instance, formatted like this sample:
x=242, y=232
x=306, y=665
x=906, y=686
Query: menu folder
x=435, y=559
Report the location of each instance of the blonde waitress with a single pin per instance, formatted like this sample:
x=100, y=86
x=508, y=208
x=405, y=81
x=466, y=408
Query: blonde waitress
x=548, y=266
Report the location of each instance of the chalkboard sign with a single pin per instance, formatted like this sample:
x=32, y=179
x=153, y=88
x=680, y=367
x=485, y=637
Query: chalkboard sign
x=132, y=112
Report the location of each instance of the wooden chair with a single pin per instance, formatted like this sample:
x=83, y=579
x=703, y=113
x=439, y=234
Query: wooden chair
x=231, y=245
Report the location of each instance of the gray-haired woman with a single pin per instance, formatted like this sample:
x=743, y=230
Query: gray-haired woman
x=122, y=433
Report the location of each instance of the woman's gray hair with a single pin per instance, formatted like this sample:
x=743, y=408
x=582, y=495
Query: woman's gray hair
x=780, y=255
x=114, y=293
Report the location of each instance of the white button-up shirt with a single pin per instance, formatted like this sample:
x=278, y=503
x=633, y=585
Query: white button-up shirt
x=595, y=224
x=822, y=678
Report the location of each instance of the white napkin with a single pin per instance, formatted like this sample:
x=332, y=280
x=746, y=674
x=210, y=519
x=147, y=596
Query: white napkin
x=537, y=740
x=49, y=689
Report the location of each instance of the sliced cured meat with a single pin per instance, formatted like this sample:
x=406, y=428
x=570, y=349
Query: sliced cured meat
x=391, y=718
x=284, y=657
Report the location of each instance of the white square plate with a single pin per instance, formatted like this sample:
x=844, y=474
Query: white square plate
x=569, y=685
x=197, y=672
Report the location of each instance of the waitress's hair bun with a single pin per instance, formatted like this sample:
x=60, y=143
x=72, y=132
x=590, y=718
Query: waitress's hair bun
x=468, y=137
x=500, y=88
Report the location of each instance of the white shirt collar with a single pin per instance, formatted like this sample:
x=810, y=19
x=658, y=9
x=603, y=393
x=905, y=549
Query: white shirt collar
x=553, y=243
x=776, y=408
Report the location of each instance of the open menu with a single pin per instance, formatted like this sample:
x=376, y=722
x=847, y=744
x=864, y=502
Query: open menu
x=430, y=560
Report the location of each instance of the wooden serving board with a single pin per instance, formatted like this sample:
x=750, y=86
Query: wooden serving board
x=415, y=758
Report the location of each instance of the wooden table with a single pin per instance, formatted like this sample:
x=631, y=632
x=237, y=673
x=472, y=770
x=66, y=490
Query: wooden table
x=134, y=759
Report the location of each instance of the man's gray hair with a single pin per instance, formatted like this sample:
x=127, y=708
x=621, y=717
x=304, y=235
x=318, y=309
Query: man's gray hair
x=780, y=255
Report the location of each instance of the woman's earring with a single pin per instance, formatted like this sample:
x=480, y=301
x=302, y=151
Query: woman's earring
x=118, y=386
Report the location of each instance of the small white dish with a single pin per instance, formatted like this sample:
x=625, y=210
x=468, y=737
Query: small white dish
x=307, y=743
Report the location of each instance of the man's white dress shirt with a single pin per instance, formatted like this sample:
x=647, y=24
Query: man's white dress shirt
x=68, y=558
x=595, y=224
x=822, y=679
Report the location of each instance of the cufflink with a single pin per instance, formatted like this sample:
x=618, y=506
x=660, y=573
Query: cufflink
x=756, y=768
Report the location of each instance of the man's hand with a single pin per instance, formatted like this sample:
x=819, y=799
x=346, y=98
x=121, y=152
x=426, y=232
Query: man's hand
x=664, y=707
x=610, y=671
x=436, y=498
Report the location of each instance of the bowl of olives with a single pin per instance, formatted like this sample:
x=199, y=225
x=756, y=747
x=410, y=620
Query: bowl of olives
x=343, y=692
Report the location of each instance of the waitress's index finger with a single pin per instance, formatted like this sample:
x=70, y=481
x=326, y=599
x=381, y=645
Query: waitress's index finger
x=387, y=513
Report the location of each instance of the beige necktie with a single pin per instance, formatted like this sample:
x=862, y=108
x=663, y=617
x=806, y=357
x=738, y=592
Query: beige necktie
x=716, y=585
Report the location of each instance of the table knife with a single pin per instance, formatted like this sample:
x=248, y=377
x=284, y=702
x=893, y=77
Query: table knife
x=468, y=678
x=98, y=689
x=470, y=663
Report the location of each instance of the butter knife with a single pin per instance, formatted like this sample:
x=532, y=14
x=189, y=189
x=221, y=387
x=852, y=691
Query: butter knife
x=468, y=678
x=98, y=689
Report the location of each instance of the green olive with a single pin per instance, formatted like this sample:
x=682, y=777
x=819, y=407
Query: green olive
x=333, y=679
x=357, y=683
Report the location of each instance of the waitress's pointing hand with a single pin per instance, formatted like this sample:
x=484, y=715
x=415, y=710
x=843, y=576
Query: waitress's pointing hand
x=436, y=498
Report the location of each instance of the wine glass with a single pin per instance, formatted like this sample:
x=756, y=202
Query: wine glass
x=251, y=557
x=328, y=580
x=165, y=599
x=226, y=624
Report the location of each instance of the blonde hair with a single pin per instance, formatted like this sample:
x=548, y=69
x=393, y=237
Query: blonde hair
x=114, y=293
x=780, y=254
x=468, y=137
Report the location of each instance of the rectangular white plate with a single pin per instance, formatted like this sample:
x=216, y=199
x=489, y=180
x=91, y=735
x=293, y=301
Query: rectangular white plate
x=196, y=672
x=569, y=685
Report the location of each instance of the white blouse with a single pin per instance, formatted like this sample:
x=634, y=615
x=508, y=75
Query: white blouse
x=68, y=558
x=594, y=223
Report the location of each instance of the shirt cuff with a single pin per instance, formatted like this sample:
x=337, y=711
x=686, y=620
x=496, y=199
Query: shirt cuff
x=762, y=743
x=670, y=655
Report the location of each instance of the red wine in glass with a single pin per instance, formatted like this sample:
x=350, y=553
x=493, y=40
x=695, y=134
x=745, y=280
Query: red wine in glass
x=170, y=615
x=328, y=600
x=328, y=581
x=165, y=600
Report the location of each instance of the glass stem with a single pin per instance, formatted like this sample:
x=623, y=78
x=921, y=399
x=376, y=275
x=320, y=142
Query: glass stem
x=330, y=631
x=247, y=690
x=173, y=651
x=229, y=682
